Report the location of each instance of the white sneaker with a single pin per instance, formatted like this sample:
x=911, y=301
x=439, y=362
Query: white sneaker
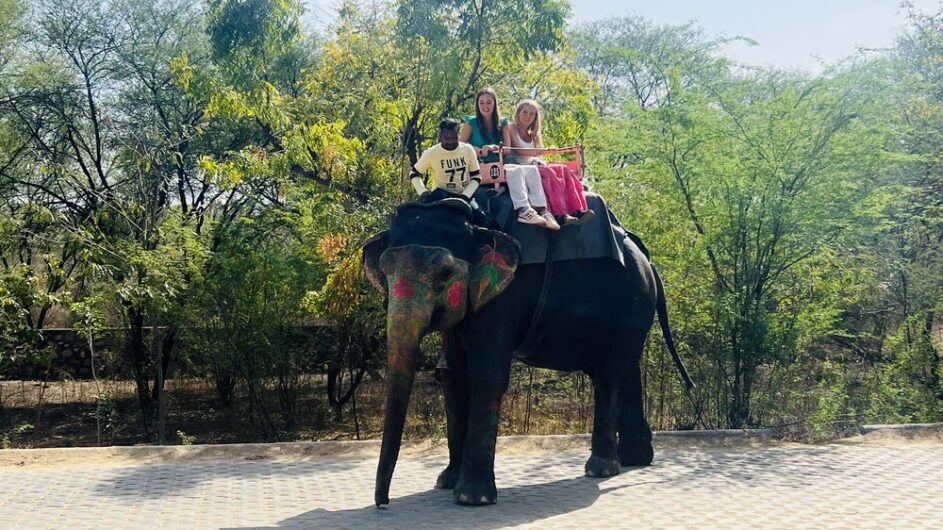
x=552, y=223
x=529, y=216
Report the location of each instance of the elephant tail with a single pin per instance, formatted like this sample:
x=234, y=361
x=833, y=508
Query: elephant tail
x=662, y=308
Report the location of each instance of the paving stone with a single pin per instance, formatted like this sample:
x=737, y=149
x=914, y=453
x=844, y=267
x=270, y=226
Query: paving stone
x=769, y=486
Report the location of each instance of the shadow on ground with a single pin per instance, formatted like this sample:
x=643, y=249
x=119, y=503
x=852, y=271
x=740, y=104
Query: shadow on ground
x=156, y=481
x=531, y=488
x=687, y=467
x=435, y=508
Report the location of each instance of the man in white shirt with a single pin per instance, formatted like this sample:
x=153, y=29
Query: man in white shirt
x=454, y=166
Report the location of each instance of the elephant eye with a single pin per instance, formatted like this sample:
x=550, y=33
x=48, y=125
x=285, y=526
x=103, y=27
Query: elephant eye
x=444, y=274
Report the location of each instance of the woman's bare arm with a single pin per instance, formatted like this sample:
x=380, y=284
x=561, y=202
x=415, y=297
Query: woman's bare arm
x=465, y=133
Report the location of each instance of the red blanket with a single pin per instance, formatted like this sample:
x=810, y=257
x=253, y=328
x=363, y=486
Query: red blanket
x=563, y=189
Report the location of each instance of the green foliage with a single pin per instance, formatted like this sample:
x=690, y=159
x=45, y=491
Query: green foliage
x=107, y=414
x=249, y=35
x=13, y=439
x=246, y=315
x=907, y=389
x=483, y=25
x=20, y=342
x=11, y=27
x=16, y=337
x=638, y=64
x=759, y=193
x=834, y=413
x=184, y=438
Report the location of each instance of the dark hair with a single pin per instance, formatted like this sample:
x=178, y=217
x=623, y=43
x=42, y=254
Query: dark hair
x=449, y=124
x=495, y=116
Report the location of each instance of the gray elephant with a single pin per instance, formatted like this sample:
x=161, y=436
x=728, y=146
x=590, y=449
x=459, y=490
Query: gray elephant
x=439, y=272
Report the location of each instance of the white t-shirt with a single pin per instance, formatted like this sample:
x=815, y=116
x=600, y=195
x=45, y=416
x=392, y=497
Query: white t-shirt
x=451, y=170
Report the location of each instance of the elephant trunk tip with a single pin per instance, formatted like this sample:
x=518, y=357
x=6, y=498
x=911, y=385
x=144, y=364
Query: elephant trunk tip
x=381, y=494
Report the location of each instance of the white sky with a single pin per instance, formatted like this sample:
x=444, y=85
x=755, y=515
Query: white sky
x=790, y=33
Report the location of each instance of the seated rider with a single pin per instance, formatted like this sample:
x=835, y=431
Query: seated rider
x=485, y=129
x=454, y=168
x=563, y=190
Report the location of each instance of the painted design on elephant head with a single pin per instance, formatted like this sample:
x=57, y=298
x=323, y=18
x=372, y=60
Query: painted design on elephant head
x=489, y=256
x=409, y=286
x=453, y=299
x=455, y=294
x=490, y=276
x=403, y=288
x=408, y=312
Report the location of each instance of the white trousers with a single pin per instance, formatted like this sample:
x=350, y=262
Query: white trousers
x=525, y=186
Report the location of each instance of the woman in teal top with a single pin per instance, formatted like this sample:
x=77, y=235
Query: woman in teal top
x=486, y=129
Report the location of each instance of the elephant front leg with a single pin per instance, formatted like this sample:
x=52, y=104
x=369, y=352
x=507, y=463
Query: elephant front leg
x=604, y=460
x=455, y=389
x=476, y=486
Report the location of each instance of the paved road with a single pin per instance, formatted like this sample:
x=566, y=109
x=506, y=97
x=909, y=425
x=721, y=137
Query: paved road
x=761, y=485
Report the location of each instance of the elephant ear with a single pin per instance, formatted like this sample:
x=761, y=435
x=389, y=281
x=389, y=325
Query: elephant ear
x=372, y=250
x=498, y=257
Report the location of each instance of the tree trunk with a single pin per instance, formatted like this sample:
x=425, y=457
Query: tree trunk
x=166, y=350
x=140, y=362
x=225, y=385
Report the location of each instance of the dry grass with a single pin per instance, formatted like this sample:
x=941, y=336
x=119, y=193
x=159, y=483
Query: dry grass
x=62, y=413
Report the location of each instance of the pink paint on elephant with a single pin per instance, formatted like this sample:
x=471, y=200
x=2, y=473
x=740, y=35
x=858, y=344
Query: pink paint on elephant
x=492, y=256
x=403, y=289
x=456, y=294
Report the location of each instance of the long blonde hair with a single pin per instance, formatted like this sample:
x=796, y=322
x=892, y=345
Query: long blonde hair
x=534, y=128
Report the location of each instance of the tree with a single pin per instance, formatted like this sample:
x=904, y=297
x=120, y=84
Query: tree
x=891, y=327
x=111, y=164
x=634, y=60
x=752, y=177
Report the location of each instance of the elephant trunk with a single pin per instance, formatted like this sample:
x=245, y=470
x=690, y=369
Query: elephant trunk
x=404, y=332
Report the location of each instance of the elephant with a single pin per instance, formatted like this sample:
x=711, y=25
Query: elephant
x=439, y=272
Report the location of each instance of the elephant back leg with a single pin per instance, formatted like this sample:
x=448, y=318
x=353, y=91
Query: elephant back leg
x=635, y=435
x=603, y=459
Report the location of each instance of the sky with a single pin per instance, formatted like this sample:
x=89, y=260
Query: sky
x=794, y=34
x=789, y=34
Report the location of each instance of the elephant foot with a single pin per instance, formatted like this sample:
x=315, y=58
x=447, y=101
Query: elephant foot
x=635, y=454
x=476, y=494
x=448, y=478
x=598, y=466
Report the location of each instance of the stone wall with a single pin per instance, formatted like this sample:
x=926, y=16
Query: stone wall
x=71, y=358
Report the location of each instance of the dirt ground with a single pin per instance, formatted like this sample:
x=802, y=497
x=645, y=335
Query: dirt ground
x=197, y=427
x=63, y=414
x=892, y=436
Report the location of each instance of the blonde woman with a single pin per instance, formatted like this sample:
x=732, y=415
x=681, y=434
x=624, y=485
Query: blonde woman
x=523, y=177
x=562, y=191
